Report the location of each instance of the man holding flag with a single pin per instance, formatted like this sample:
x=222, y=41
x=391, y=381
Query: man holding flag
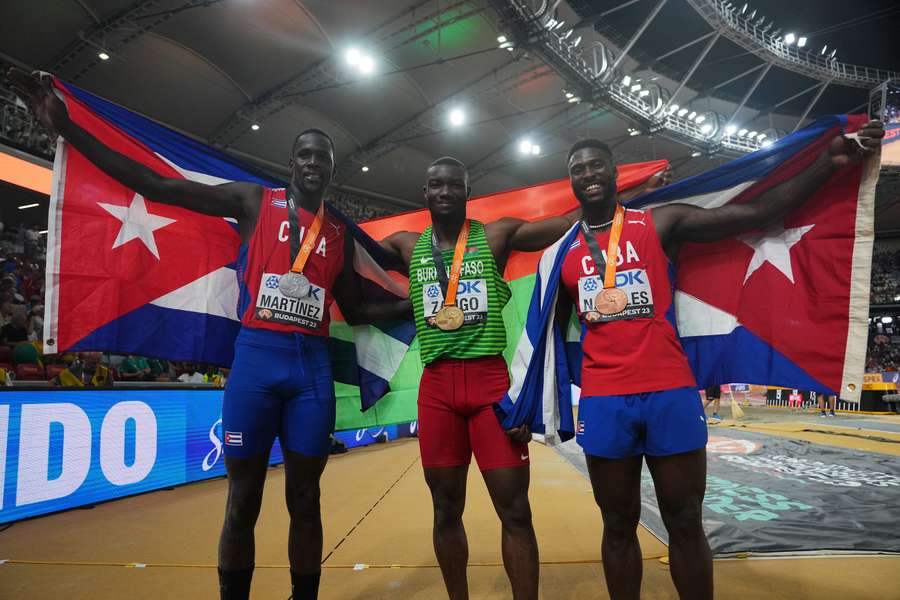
x=639, y=395
x=295, y=259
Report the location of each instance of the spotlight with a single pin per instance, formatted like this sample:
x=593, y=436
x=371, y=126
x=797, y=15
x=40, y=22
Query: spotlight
x=695, y=154
x=559, y=25
x=730, y=130
x=744, y=9
x=833, y=52
x=761, y=137
x=570, y=95
x=706, y=129
x=634, y=132
x=576, y=42
x=457, y=117
x=643, y=93
x=366, y=65
x=673, y=108
x=801, y=42
x=887, y=319
x=535, y=150
x=103, y=55
x=742, y=133
x=700, y=119
x=751, y=135
x=767, y=143
x=824, y=49
x=636, y=87
x=626, y=81
x=525, y=146
x=789, y=39
x=352, y=56
x=567, y=34
x=574, y=99
x=501, y=39
x=692, y=115
x=682, y=112
x=255, y=127
x=365, y=169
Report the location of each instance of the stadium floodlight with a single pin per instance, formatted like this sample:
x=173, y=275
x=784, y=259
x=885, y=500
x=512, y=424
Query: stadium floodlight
x=700, y=119
x=643, y=93
x=887, y=320
x=636, y=87
x=567, y=34
x=103, y=55
x=501, y=39
x=559, y=25
x=833, y=52
x=731, y=129
x=751, y=135
x=525, y=146
x=696, y=153
x=535, y=150
x=24, y=206
x=682, y=112
x=551, y=24
x=753, y=14
x=761, y=137
x=576, y=42
x=824, y=49
x=743, y=10
x=897, y=298
x=574, y=99
x=692, y=115
x=634, y=132
x=457, y=117
x=626, y=81
x=42, y=232
x=673, y=108
x=790, y=39
x=570, y=95
x=366, y=65
x=706, y=129
x=352, y=56
x=742, y=133
x=767, y=143
x=365, y=169
x=801, y=42
x=255, y=127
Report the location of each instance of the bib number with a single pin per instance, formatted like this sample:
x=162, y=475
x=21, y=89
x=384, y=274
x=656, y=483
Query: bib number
x=635, y=284
x=471, y=298
x=275, y=307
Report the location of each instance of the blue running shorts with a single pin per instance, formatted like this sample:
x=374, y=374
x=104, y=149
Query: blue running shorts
x=654, y=423
x=280, y=385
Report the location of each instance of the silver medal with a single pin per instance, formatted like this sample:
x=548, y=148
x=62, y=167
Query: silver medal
x=293, y=285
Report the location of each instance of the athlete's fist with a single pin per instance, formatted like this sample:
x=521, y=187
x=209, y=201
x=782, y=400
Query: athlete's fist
x=36, y=90
x=521, y=434
x=659, y=180
x=845, y=150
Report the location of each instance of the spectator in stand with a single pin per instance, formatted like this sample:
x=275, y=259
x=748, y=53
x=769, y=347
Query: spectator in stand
x=191, y=374
x=18, y=329
x=6, y=312
x=135, y=368
x=159, y=369
x=85, y=371
x=37, y=320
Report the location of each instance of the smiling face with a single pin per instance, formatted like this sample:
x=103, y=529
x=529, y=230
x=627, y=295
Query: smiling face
x=312, y=164
x=593, y=176
x=446, y=191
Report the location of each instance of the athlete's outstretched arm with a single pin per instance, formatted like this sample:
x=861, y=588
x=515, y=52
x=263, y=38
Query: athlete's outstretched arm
x=676, y=223
x=528, y=236
x=348, y=293
x=236, y=200
x=655, y=182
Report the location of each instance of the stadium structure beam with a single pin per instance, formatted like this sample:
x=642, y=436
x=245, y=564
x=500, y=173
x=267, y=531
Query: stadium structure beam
x=794, y=97
x=637, y=34
x=749, y=93
x=700, y=58
x=684, y=46
x=810, y=106
x=593, y=18
x=735, y=78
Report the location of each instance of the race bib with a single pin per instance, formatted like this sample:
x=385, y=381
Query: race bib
x=635, y=284
x=273, y=306
x=471, y=298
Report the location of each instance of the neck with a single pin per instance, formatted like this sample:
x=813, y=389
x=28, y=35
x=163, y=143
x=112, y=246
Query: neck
x=598, y=214
x=446, y=229
x=310, y=202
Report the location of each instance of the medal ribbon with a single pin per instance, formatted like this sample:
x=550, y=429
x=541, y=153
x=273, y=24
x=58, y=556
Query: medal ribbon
x=449, y=285
x=612, y=249
x=302, y=251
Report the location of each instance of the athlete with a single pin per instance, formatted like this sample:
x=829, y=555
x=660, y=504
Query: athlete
x=714, y=397
x=639, y=399
x=295, y=259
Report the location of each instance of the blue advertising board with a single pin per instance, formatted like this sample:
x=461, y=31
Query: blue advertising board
x=62, y=449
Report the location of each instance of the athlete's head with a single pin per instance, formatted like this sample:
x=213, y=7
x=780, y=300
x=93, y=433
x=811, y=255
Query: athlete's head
x=592, y=172
x=312, y=161
x=447, y=188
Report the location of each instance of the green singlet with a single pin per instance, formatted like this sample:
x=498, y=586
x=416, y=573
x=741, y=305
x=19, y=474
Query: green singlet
x=481, y=295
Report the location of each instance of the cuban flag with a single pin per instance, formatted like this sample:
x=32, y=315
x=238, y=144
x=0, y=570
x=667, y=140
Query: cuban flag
x=786, y=306
x=129, y=275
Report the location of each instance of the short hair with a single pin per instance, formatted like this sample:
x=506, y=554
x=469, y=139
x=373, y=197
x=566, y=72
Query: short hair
x=315, y=131
x=453, y=162
x=589, y=143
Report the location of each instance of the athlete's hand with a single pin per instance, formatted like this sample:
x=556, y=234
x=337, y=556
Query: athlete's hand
x=659, y=180
x=36, y=90
x=845, y=150
x=521, y=434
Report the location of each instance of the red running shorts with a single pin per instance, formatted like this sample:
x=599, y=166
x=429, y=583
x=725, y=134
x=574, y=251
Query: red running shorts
x=456, y=416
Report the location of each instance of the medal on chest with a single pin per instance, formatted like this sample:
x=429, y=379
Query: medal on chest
x=294, y=284
x=450, y=317
x=610, y=300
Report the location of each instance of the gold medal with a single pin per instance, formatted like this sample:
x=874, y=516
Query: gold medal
x=610, y=301
x=449, y=318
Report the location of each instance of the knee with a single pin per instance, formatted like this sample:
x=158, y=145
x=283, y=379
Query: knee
x=516, y=514
x=620, y=528
x=448, y=511
x=684, y=522
x=242, y=509
x=303, y=500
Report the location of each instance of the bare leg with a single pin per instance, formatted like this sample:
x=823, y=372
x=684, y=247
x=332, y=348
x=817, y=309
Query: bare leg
x=246, y=478
x=617, y=491
x=448, y=496
x=302, y=474
x=508, y=488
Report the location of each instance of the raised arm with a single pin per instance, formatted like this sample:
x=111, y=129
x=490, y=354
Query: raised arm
x=509, y=233
x=238, y=200
x=676, y=223
x=356, y=309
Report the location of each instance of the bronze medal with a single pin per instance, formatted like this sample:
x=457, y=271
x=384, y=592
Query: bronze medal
x=610, y=301
x=450, y=318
